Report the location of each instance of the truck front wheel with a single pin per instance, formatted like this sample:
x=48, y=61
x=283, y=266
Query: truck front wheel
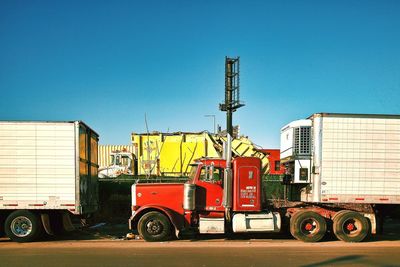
x=23, y=226
x=154, y=226
x=307, y=226
x=350, y=226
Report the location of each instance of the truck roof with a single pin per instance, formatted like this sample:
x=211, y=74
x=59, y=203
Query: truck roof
x=45, y=121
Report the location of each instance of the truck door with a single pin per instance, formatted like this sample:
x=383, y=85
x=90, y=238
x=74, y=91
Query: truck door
x=88, y=168
x=209, y=189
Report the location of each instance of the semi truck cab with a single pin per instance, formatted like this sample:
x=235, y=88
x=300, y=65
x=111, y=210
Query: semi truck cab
x=158, y=210
x=122, y=162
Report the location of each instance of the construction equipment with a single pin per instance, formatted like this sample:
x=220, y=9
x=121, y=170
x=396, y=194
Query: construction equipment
x=171, y=154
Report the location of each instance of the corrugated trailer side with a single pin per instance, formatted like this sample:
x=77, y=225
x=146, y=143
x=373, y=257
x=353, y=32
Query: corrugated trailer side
x=37, y=165
x=356, y=158
x=46, y=169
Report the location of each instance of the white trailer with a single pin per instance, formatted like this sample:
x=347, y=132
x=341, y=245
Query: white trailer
x=344, y=161
x=48, y=170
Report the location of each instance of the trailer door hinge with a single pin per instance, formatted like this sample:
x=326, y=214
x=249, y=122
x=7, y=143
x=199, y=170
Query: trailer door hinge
x=315, y=170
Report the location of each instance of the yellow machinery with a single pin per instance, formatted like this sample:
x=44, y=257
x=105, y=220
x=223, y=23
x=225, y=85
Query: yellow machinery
x=170, y=154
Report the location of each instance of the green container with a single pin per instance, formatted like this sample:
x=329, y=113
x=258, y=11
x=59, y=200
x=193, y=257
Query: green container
x=273, y=187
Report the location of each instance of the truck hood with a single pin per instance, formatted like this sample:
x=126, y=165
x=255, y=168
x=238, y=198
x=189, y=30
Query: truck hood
x=168, y=195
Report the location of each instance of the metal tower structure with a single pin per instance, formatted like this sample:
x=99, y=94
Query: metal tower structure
x=232, y=103
x=232, y=100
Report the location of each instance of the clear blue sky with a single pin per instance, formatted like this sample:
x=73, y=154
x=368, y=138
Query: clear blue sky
x=110, y=62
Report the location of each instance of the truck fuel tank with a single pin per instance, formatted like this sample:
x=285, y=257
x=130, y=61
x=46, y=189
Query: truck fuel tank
x=260, y=222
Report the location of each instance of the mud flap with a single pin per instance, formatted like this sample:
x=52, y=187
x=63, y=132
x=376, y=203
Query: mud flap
x=372, y=220
x=67, y=223
x=46, y=223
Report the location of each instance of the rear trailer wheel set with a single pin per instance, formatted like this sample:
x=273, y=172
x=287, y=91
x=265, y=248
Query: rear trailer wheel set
x=29, y=225
x=348, y=226
x=23, y=226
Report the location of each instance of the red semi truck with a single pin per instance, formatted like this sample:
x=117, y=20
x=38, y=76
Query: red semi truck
x=342, y=169
x=163, y=210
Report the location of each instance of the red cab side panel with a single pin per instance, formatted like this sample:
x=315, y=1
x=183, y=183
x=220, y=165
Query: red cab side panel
x=246, y=184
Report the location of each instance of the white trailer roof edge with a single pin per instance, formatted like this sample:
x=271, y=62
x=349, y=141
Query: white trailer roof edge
x=354, y=115
x=46, y=121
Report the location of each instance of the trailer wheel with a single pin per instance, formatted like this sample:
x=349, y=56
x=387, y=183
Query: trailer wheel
x=308, y=226
x=351, y=226
x=23, y=226
x=154, y=226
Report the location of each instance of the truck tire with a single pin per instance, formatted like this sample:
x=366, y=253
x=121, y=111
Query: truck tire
x=154, y=226
x=351, y=226
x=23, y=226
x=307, y=226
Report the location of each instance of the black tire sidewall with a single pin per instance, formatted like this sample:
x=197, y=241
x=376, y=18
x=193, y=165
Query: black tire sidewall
x=37, y=228
x=163, y=220
x=299, y=217
x=339, y=231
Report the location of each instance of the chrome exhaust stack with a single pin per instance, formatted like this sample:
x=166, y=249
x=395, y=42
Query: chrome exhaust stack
x=227, y=197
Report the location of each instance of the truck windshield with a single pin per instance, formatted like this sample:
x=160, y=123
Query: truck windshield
x=118, y=160
x=125, y=161
x=192, y=173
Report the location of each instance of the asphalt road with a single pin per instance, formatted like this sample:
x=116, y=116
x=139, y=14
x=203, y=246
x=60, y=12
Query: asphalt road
x=214, y=252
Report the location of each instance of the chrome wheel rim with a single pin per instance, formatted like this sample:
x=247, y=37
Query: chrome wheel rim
x=21, y=226
x=352, y=227
x=154, y=227
x=309, y=227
